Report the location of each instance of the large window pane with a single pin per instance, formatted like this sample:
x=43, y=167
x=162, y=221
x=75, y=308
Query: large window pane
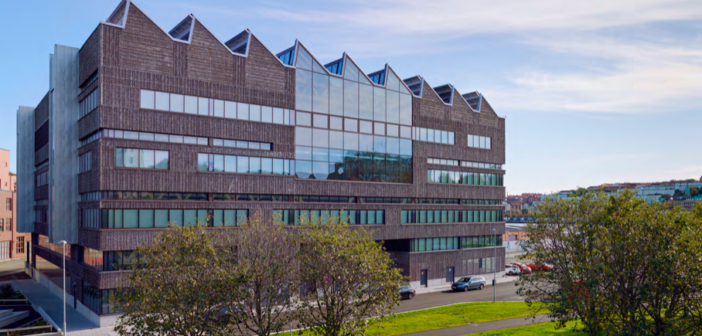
x=230, y=163
x=303, y=136
x=202, y=162
x=147, y=99
x=242, y=111
x=405, y=147
x=350, y=141
x=405, y=109
x=393, y=107
x=190, y=217
x=351, y=99
x=379, y=144
x=266, y=166
x=303, y=90
x=203, y=106
x=161, y=218
x=393, y=145
x=278, y=167
x=161, y=160
x=320, y=98
x=336, y=96
x=320, y=138
x=131, y=158
x=242, y=163
x=303, y=169
x=131, y=219
x=191, y=104
x=219, y=163
x=119, y=157
x=267, y=114
x=255, y=112
x=230, y=110
x=175, y=217
x=162, y=101
x=146, y=218
x=365, y=102
x=336, y=140
x=379, y=104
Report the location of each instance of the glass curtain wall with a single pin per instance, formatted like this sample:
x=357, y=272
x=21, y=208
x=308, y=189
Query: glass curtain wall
x=349, y=129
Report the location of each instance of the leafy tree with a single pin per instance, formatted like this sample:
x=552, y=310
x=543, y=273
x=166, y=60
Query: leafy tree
x=350, y=278
x=678, y=193
x=578, y=193
x=267, y=262
x=694, y=191
x=181, y=286
x=621, y=266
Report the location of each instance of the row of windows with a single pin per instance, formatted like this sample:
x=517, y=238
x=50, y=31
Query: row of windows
x=146, y=136
x=141, y=158
x=454, y=243
x=109, y=260
x=477, y=141
x=448, y=162
x=42, y=179
x=453, y=177
x=85, y=162
x=320, y=93
x=352, y=125
x=88, y=104
x=58, y=248
x=357, y=166
x=214, y=107
x=432, y=135
x=242, y=144
x=141, y=195
x=166, y=196
x=40, y=216
x=323, y=139
x=296, y=217
x=160, y=218
x=244, y=164
x=91, y=138
x=450, y=216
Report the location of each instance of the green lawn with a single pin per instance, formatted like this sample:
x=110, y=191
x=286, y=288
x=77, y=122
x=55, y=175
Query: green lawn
x=547, y=328
x=446, y=317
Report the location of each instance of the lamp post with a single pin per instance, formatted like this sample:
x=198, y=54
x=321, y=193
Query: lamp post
x=63, y=242
x=494, y=269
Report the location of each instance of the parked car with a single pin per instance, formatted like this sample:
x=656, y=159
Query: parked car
x=466, y=283
x=540, y=267
x=407, y=292
x=512, y=269
x=522, y=267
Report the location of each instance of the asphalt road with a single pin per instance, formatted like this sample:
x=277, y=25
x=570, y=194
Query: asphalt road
x=505, y=292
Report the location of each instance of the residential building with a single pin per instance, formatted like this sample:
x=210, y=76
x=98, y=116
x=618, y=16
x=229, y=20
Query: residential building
x=12, y=244
x=175, y=127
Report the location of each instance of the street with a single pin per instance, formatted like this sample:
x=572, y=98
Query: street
x=505, y=292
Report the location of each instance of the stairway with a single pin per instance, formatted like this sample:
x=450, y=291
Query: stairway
x=9, y=316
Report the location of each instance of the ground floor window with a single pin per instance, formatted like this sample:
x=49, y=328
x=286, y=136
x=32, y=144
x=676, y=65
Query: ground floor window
x=20, y=245
x=5, y=249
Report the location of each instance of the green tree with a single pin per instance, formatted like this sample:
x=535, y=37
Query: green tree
x=678, y=193
x=622, y=266
x=350, y=279
x=694, y=191
x=267, y=262
x=181, y=286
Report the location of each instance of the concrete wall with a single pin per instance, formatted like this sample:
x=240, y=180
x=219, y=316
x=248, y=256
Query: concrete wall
x=25, y=169
x=63, y=145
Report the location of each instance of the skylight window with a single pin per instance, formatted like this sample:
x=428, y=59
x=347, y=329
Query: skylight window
x=445, y=92
x=239, y=43
x=286, y=56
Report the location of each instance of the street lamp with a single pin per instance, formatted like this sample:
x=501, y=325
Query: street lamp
x=63, y=242
x=494, y=269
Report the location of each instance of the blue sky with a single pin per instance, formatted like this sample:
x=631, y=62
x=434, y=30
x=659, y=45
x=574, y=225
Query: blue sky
x=594, y=91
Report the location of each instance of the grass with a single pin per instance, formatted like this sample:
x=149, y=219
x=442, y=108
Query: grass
x=446, y=317
x=547, y=328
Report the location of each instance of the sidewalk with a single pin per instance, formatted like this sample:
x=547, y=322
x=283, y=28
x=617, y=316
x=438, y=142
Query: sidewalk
x=424, y=290
x=481, y=327
x=40, y=296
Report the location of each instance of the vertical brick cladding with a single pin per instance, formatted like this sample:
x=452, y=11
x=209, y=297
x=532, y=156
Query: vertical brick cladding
x=89, y=56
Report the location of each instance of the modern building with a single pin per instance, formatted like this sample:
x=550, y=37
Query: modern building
x=12, y=244
x=142, y=127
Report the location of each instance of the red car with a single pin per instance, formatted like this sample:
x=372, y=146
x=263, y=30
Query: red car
x=540, y=267
x=522, y=267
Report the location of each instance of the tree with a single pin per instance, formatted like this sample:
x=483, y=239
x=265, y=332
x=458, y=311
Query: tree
x=181, y=286
x=267, y=262
x=678, y=193
x=350, y=279
x=621, y=266
x=694, y=191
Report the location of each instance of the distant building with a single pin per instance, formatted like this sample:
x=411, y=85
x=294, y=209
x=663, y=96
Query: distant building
x=12, y=244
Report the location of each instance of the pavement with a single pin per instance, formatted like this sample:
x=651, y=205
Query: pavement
x=12, y=270
x=40, y=296
x=447, y=287
x=481, y=327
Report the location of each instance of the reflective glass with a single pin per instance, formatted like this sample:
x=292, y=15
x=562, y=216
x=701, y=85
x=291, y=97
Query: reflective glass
x=378, y=104
x=405, y=109
x=351, y=125
x=191, y=104
x=379, y=144
x=393, y=130
x=393, y=107
x=304, y=119
x=176, y=102
x=303, y=169
x=242, y=163
x=350, y=71
x=366, y=127
x=303, y=136
x=202, y=162
x=161, y=160
x=393, y=81
x=406, y=132
x=255, y=112
x=336, y=140
x=303, y=90
x=162, y=101
x=266, y=166
x=365, y=102
x=365, y=143
x=131, y=158
x=351, y=99
x=351, y=141
x=230, y=110
x=336, y=123
x=321, y=121
x=405, y=147
x=320, y=101
x=320, y=138
x=242, y=111
x=303, y=59
x=202, y=106
x=267, y=114
x=230, y=164
x=378, y=128
x=320, y=170
x=320, y=154
x=336, y=96
x=147, y=99
x=219, y=108
x=393, y=145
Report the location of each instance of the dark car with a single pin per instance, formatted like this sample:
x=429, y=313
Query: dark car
x=407, y=292
x=467, y=283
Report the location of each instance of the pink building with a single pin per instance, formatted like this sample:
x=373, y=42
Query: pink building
x=12, y=244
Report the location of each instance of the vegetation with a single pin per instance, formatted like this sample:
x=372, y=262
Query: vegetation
x=445, y=317
x=246, y=280
x=622, y=266
x=537, y=329
x=349, y=277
